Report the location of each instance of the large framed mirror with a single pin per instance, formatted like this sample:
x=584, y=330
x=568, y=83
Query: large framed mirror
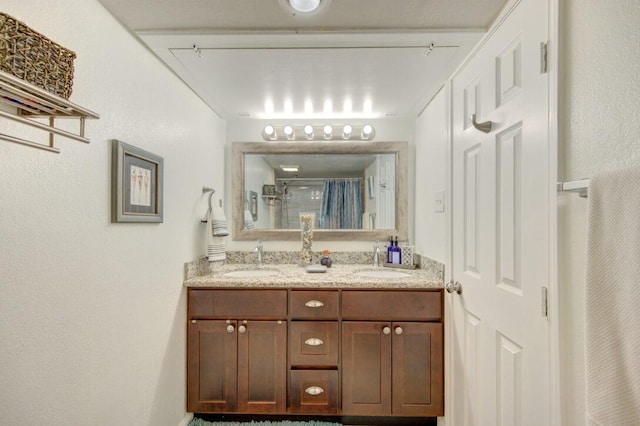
x=353, y=190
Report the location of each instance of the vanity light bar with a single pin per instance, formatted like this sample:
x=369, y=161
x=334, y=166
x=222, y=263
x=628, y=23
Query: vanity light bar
x=327, y=132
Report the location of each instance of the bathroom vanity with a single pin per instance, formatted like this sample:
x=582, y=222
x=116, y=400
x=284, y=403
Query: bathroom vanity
x=353, y=341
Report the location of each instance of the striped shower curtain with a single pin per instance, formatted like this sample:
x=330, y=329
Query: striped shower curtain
x=341, y=204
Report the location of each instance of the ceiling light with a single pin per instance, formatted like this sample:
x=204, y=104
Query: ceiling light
x=304, y=6
x=290, y=168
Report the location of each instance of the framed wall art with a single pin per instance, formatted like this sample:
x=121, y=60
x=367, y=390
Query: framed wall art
x=136, y=184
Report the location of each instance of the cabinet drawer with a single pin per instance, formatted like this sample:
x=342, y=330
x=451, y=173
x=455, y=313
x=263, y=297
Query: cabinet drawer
x=314, y=344
x=392, y=305
x=314, y=391
x=314, y=304
x=239, y=304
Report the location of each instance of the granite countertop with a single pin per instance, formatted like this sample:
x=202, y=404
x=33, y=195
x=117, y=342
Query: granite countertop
x=294, y=276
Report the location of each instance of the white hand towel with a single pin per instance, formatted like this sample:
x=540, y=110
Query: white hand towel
x=612, y=299
x=215, y=246
x=219, y=222
x=248, y=220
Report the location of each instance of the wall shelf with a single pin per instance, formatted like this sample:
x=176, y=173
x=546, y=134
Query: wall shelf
x=31, y=102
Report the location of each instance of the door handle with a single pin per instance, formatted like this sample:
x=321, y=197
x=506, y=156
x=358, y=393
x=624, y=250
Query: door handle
x=484, y=127
x=453, y=287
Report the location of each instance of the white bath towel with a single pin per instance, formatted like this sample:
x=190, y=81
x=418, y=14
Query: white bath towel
x=612, y=299
x=215, y=245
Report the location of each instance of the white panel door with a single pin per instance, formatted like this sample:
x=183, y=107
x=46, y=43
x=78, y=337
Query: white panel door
x=500, y=216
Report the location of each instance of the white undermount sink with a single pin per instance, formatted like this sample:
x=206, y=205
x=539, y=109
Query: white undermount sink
x=251, y=273
x=381, y=273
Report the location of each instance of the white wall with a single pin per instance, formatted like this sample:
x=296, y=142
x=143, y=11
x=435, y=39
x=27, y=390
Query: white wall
x=431, y=160
x=92, y=314
x=599, y=130
x=246, y=130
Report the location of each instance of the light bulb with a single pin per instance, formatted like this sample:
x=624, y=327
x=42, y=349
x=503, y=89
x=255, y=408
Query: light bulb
x=269, y=133
x=308, y=131
x=367, y=131
x=327, y=131
x=346, y=131
x=288, y=131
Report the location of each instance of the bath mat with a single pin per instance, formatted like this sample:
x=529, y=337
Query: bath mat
x=200, y=422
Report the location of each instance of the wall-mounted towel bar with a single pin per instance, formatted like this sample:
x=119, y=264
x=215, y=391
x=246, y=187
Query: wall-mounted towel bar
x=580, y=186
x=211, y=191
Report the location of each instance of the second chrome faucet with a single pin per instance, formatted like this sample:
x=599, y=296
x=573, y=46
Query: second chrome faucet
x=376, y=254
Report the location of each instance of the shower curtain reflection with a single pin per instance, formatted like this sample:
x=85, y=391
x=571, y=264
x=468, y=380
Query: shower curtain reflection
x=341, y=204
x=337, y=202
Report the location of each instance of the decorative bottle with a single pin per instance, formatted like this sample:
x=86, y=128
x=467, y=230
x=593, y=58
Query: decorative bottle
x=306, y=230
x=396, y=253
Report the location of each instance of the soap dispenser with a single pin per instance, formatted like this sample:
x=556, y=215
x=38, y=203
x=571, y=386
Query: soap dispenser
x=396, y=253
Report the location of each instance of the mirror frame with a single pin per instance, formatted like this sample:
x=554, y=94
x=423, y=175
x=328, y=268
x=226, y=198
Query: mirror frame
x=239, y=149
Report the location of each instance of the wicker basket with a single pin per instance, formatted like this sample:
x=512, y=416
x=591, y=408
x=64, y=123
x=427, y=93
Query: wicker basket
x=34, y=58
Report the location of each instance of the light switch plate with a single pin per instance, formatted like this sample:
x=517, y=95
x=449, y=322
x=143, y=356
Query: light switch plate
x=438, y=202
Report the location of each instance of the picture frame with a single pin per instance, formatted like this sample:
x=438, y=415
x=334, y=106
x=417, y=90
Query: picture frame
x=137, y=184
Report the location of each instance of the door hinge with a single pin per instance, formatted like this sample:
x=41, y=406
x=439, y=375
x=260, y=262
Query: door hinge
x=544, y=310
x=543, y=58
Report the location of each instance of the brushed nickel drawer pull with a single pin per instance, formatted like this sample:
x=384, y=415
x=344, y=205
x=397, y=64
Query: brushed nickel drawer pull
x=314, y=304
x=314, y=390
x=313, y=341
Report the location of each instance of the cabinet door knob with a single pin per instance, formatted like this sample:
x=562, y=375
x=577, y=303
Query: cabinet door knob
x=386, y=330
x=242, y=329
x=314, y=304
x=313, y=341
x=398, y=330
x=314, y=390
x=230, y=328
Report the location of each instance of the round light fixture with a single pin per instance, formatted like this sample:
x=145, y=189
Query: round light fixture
x=288, y=131
x=304, y=6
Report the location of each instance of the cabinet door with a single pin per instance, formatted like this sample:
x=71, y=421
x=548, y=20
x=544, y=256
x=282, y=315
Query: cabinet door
x=262, y=367
x=366, y=368
x=417, y=372
x=211, y=367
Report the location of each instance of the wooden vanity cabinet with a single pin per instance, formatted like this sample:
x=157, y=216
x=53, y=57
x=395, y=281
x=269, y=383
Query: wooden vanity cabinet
x=392, y=353
x=315, y=352
x=236, y=351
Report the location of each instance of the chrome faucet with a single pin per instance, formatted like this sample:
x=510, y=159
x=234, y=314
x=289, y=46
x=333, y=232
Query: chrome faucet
x=259, y=255
x=376, y=254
